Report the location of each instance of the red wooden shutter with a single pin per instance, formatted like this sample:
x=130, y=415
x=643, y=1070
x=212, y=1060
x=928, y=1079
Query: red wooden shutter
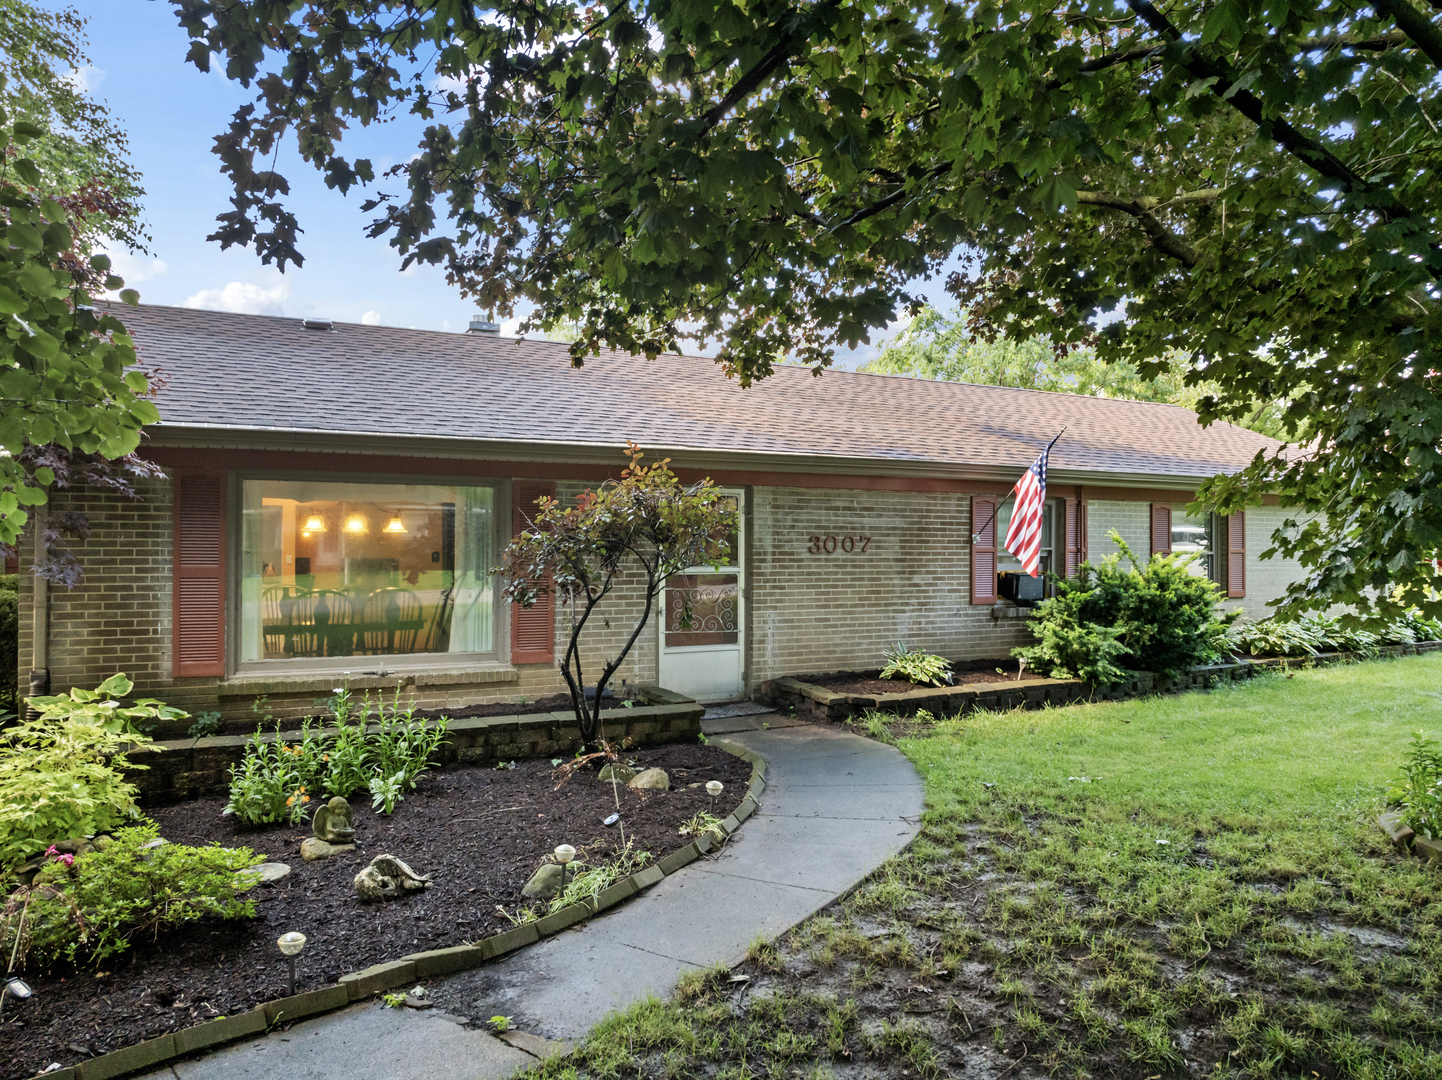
x=1161, y=529
x=983, y=549
x=199, y=562
x=533, y=629
x=1237, y=555
x=1074, y=540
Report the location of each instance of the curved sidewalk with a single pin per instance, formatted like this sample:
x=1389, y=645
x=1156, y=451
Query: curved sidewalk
x=836, y=807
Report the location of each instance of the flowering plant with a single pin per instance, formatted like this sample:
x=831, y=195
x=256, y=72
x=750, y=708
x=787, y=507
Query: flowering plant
x=52, y=853
x=1418, y=791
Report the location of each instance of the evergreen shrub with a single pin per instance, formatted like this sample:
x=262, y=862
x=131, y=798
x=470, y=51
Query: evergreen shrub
x=1156, y=616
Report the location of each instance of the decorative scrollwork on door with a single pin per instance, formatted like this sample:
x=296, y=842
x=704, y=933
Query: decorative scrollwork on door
x=701, y=609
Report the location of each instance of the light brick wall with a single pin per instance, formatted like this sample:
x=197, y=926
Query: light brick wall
x=815, y=613
x=1133, y=520
x=1266, y=579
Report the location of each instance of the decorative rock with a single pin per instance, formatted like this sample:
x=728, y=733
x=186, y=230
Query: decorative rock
x=387, y=878
x=650, y=780
x=544, y=883
x=267, y=873
x=618, y=771
x=312, y=848
x=334, y=822
x=417, y=998
x=102, y=841
x=77, y=846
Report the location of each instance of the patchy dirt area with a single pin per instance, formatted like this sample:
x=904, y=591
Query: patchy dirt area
x=866, y=682
x=480, y=832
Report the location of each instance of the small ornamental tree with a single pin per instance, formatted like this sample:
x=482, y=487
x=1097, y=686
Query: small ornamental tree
x=646, y=520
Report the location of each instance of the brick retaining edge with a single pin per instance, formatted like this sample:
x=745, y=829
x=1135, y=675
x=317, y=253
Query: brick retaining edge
x=186, y=768
x=819, y=704
x=408, y=970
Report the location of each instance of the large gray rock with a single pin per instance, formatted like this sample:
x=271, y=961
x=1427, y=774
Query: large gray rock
x=544, y=883
x=387, y=878
x=334, y=822
x=313, y=848
x=267, y=873
x=650, y=780
x=618, y=771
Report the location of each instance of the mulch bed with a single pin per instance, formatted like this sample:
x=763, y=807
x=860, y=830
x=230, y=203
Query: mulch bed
x=866, y=682
x=480, y=832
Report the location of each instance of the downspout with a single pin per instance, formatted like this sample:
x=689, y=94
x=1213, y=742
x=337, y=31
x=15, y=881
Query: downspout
x=40, y=626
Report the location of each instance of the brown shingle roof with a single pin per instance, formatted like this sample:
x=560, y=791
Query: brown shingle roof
x=258, y=372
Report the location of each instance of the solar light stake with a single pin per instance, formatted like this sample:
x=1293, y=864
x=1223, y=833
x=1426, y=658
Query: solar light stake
x=290, y=945
x=19, y=989
x=714, y=788
x=564, y=854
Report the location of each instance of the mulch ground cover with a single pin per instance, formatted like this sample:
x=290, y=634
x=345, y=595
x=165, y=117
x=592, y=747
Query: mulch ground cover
x=866, y=682
x=479, y=831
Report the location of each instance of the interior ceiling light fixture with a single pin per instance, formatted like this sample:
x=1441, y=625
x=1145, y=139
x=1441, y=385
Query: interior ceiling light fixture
x=395, y=525
x=314, y=523
x=356, y=523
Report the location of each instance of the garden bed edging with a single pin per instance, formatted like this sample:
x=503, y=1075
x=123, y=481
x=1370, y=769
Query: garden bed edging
x=410, y=969
x=819, y=704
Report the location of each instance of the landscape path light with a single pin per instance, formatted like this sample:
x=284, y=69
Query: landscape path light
x=290, y=945
x=714, y=789
x=564, y=854
x=19, y=989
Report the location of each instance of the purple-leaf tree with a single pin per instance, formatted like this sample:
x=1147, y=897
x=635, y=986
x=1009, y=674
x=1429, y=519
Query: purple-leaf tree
x=647, y=522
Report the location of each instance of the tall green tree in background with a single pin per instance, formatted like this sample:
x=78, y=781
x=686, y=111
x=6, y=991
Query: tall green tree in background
x=1253, y=186
x=938, y=345
x=73, y=398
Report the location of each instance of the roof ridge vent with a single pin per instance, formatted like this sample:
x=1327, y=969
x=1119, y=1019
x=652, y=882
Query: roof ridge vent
x=483, y=326
x=318, y=324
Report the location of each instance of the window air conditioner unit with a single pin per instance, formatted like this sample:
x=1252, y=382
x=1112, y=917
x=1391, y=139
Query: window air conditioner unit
x=1021, y=589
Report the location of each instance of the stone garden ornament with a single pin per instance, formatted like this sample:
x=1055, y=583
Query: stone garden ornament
x=387, y=878
x=334, y=822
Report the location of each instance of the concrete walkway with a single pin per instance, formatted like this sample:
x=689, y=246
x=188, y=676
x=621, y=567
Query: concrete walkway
x=836, y=806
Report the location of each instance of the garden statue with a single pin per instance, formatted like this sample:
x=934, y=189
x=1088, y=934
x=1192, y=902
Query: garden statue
x=387, y=878
x=334, y=822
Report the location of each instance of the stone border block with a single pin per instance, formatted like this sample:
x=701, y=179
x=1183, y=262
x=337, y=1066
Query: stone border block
x=731, y=824
x=226, y=1029
x=510, y=940
x=437, y=962
x=614, y=894
x=557, y=921
x=644, y=879
x=1397, y=831
x=128, y=1059
x=1427, y=850
x=379, y=978
x=289, y=1009
x=678, y=858
x=745, y=809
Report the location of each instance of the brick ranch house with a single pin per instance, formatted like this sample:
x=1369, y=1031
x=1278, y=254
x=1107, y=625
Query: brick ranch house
x=336, y=494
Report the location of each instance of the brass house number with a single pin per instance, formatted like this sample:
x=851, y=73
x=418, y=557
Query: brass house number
x=830, y=545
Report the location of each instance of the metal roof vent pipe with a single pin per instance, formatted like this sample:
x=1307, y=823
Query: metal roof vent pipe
x=483, y=326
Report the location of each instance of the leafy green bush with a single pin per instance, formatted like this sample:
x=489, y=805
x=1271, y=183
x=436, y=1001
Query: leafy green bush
x=92, y=907
x=916, y=666
x=1315, y=634
x=57, y=780
x=274, y=780
x=1418, y=792
x=1157, y=616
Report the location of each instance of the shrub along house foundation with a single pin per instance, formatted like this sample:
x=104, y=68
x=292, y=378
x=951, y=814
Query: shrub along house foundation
x=337, y=494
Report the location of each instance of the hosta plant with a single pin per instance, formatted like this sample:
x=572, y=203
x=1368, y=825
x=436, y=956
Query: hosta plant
x=913, y=665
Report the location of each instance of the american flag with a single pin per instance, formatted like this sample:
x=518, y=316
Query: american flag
x=1023, y=535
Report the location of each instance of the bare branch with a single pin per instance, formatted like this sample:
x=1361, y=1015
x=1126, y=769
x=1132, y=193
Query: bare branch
x=1415, y=25
x=1141, y=209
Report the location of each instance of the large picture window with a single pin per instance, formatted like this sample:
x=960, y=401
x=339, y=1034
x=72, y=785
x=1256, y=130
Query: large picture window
x=1198, y=536
x=344, y=570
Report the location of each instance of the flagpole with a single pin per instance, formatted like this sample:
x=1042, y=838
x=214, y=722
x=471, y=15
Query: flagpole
x=976, y=534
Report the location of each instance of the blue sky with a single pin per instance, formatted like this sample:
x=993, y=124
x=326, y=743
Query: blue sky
x=173, y=112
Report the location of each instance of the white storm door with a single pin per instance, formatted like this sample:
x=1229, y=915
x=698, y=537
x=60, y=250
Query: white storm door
x=702, y=626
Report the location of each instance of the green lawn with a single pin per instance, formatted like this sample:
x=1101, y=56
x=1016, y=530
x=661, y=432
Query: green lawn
x=1185, y=884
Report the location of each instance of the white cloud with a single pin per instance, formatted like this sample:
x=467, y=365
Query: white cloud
x=243, y=298
x=371, y=318
x=86, y=80
x=135, y=269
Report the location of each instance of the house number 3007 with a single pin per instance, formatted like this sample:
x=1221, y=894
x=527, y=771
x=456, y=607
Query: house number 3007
x=830, y=545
